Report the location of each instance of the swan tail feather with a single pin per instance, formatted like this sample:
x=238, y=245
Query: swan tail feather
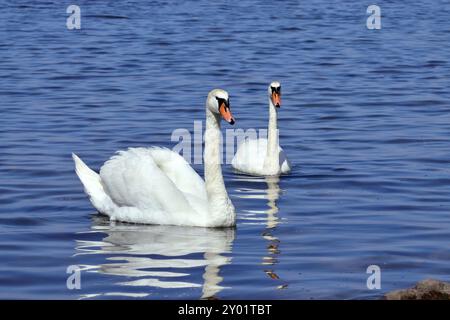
x=93, y=187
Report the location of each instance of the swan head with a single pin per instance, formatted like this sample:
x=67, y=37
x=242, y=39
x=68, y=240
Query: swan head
x=274, y=91
x=218, y=103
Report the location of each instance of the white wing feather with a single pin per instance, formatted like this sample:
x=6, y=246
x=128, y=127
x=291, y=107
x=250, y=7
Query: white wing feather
x=93, y=187
x=146, y=185
x=156, y=185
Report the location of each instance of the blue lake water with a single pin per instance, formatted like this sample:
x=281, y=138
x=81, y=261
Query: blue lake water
x=365, y=121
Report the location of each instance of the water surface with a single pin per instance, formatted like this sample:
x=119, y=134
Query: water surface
x=365, y=121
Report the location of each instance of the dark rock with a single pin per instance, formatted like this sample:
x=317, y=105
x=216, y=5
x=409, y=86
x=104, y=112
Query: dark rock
x=424, y=290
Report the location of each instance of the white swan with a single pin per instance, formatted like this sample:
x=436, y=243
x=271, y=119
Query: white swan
x=264, y=156
x=157, y=186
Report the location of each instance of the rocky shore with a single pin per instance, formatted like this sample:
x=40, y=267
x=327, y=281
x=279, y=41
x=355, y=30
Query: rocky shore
x=429, y=289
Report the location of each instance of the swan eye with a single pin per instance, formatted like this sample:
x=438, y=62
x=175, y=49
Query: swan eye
x=221, y=100
x=276, y=90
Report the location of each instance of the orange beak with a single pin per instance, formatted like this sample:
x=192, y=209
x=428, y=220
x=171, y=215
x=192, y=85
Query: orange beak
x=225, y=112
x=276, y=99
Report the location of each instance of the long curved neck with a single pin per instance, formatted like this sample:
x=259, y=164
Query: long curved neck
x=272, y=158
x=215, y=186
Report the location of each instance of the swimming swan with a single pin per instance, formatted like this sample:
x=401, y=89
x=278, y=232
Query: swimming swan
x=157, y=186
x=264, y=156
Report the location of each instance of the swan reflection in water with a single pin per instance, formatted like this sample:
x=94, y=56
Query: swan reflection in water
x=140, y=252
x=268, y=217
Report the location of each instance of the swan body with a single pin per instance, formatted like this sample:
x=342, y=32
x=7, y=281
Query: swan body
x=157, y=186
x=264, y=156
x=251, y=158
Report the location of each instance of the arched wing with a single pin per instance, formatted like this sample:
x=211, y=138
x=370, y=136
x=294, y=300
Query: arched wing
x=179, y=172
x=150, y=180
